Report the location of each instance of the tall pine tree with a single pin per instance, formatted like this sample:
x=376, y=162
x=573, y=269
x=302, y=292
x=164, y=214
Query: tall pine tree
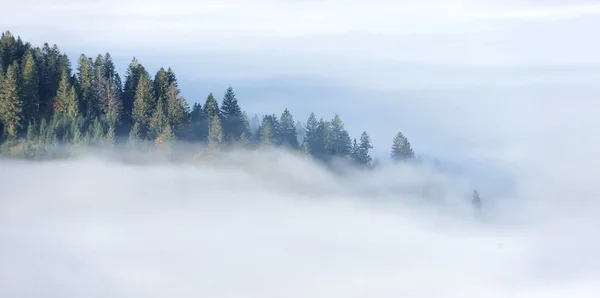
x=10, y=103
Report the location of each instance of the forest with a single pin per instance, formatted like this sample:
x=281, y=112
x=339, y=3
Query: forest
x=46, y=105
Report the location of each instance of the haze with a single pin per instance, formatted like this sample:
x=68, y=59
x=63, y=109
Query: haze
x=504, y=90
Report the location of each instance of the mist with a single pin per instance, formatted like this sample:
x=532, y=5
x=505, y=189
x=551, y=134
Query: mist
x=273, y=224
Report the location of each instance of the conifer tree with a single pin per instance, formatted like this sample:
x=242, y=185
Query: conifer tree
x=142, y=104
x=29, y=88
x=233, y=122
x=312, y=137
x=134, y=135
x=134, y=73
x=215, y=132
x=266, y=133
x=244, y=140
x=401, y=149
x=211, y=107
x=288, y=130
x=66, y=98
x=10, y=103
x=159, y=120
x=177, y=108
x=341, y=143
x=8, y=49
x=85, y=76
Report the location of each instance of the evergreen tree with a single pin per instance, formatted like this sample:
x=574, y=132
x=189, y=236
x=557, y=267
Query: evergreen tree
x=29, y=95
x=244, y=140
x=360, y=151
x=10, y=103
x=8, y=49
x=300, y=132
x=142, y=104
x=161, y=85
x=132, y=77
x=134, y=135
x=53, y=65
x=31, y=132
x=97, y=131
x=215, y=132
x=288, y=130
x=233, y=122
x=159, y=121
x=66, y=100
x=476, y=200
x=85, y=77
x=266, y=132
x=341, y=143
x=211, y=107
x=254, y=124
x=197, y=129
x=401, y=149
x=177, y=108
x=313, y=137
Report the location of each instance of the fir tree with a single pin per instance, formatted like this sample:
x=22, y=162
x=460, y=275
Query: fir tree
x=233, y=122
x=85, y=76
x=288, y=130
x=10, y=103
x=29, y=88
x=215, y=132
x=401, y=149
x=142, y=105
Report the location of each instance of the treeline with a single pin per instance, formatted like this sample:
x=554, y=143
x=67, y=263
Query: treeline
x=45, y=104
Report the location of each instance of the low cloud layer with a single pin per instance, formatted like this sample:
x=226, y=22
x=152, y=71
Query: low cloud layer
x=274, y=225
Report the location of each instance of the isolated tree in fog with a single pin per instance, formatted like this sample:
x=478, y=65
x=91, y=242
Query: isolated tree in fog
x=401, y=149
x=476, y=199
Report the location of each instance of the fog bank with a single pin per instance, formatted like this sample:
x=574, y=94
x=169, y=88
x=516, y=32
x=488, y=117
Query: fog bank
x=275, y=225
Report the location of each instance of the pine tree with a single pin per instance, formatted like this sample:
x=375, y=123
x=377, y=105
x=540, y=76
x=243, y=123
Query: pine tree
x=161, y=85
x=10, y=103
x=31, y=132
x=244, y=141
x=300, y=132
x=97, y=131
x=66, y=98
x=134, y=135
x=132, y=77
x=360, y=151
x=177, y=108
x=315, y=144
x=233, y=122
x=159, y=121
x=29, y=95
x=211, y=107
x=215, y=132
x=197, y=129
x=288, y=130
x=341, y=143
x=476, y=200
x=8, y=49
x=142, y=104
x=401, y=149
x=266, y=133
x=85, y=76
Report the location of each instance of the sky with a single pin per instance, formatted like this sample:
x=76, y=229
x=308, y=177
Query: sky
x=505, y=89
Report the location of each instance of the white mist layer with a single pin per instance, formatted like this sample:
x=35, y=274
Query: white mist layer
x=274, y=225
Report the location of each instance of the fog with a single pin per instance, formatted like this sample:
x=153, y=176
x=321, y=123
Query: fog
x=273, y=224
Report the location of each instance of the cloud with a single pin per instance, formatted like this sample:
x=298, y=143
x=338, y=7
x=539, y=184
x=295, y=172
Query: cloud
x=273, y=225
